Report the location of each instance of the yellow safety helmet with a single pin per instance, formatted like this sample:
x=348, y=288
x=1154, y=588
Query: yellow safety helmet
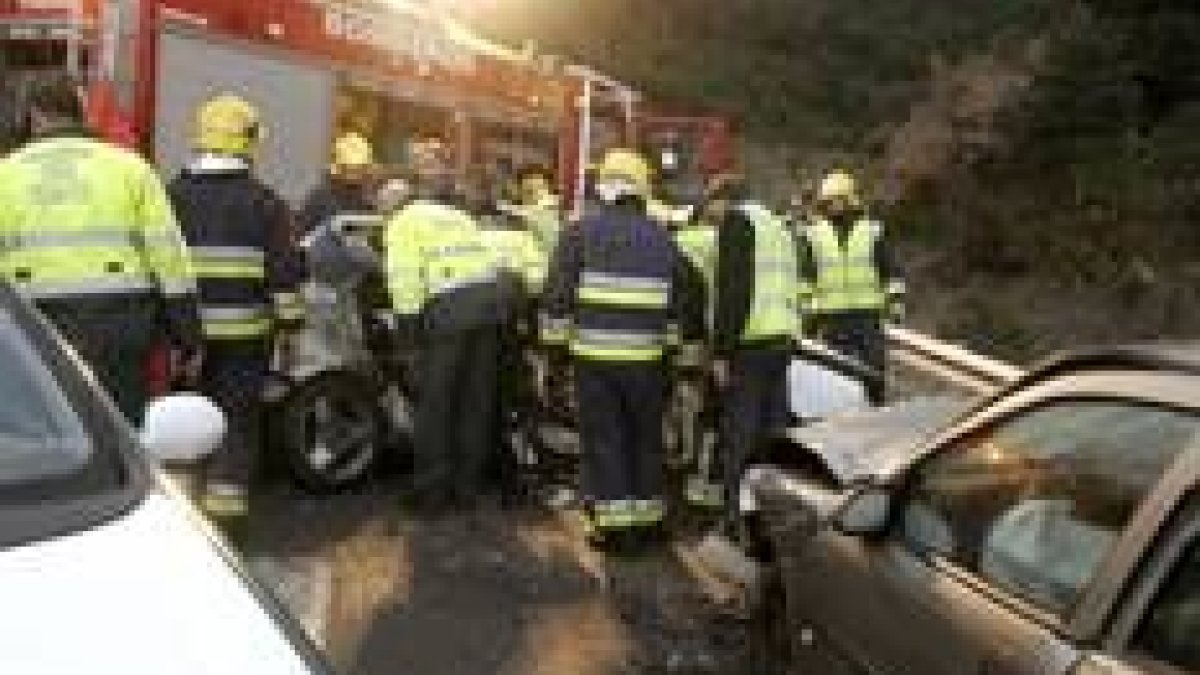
x=227, y=124
x=627, y=164
x=351, y=152
x=839, y=185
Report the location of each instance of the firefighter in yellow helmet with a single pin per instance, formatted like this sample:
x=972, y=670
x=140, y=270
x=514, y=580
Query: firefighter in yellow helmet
x=449, y=306
x=87, y=233
x=241, y=236
x=616, y=303
x=850, y=281
x=349, y=187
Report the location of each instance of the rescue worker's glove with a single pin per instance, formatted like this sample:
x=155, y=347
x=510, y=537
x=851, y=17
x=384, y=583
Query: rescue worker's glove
x=185, y=365
x=285, y=352
x=691, y=358
x=721, y=372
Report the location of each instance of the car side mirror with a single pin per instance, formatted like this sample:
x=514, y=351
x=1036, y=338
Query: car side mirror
x=182, y=428
x=865, y=512
x=1099, y=664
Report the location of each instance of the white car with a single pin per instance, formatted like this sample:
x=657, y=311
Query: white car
x=102, y=570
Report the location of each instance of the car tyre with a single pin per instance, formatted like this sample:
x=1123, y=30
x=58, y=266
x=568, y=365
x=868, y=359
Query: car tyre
x=331, y=432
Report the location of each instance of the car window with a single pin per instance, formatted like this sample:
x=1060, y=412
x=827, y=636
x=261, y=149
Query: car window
x=1171, y=630
x=1034, y=504
x=46, y=450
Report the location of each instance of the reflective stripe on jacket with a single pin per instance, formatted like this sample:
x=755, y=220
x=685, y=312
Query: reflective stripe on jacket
x=847, y=276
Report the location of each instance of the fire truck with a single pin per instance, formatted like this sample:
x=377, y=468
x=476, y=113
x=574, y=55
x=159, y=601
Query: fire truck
x=394, y=70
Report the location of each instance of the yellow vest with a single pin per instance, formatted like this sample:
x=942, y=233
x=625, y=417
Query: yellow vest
x=774, y=309
x=847, y=277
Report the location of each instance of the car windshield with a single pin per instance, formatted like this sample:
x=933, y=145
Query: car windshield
x=51, y=452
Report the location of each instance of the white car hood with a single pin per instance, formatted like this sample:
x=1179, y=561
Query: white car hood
x=146, y=594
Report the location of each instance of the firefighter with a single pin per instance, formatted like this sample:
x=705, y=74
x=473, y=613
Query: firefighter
x=614, y=300
x=510, y=234
x=348, y=189
x=755, y=318
x=449, y=306
x=850, y=279
x=674, y=205
x=697, y=241
x=539, y=206
x=88, y=234
x=240, y=234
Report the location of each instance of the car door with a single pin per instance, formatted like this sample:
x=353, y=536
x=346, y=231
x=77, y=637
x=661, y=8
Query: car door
x=1157, y=627
x=998, y=534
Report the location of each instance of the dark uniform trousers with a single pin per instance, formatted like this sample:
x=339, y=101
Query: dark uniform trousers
x=457, y=408
x=233, y=376
x=115, y=338
x=754, y=405
x=859, y=335
x=621, y=408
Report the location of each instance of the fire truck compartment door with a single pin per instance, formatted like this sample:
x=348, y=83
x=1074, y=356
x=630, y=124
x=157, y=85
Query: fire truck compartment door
x=294, y=98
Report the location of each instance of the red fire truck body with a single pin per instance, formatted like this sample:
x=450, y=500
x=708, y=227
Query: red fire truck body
x=392, y=69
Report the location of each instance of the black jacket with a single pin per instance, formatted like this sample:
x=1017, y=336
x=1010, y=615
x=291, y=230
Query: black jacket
x=231, y=209
x=333, y=197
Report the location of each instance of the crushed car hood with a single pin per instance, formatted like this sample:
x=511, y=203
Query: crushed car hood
x=874, y=443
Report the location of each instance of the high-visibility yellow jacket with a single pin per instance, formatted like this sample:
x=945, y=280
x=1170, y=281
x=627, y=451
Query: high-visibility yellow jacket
x=519, y=252
x=698, y=244
x=435, y=251
x=543, y=219
x=85, y=220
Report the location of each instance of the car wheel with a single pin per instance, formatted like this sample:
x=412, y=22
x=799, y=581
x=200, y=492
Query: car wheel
x=331, y=432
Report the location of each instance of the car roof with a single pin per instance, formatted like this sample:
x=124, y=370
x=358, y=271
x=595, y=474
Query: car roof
x=1181, y=357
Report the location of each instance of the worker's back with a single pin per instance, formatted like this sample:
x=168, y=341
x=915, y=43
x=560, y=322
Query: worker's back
x=84, y=214
x=518, y=252
x=240, y=234
x=86, y=231
x=440, y=267
x=624, y=293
